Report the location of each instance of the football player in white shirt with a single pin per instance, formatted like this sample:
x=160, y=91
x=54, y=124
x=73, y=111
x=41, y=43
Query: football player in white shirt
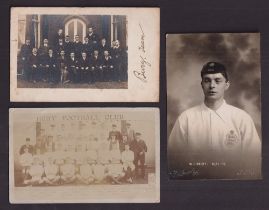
x=85, y=174
x=115, y=168
x=100, y=169
x=127, y=157
x=51, y=172
x=68, y=171
x=215, y=131
x=26, y=160
x=36, y=172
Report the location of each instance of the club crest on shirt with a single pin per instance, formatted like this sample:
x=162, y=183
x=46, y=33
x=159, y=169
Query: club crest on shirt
x=231, y=139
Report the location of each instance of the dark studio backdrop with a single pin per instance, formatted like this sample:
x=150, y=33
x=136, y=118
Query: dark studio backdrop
x=187, y=53
x=182, y=16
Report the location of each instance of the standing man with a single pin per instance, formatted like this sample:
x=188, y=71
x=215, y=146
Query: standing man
x=103, y=46
x=87, y=47
x=42, y=53
x=115, y=132
x=77, y=47
x=59, y=35
x=26, y=51
x=59, y=47
x=130, y=132
x=68, y=46
x=117, y=53
x=34, y=66
x=215, y=131
x=93, y=37
x=28, y=146
x=139, y=147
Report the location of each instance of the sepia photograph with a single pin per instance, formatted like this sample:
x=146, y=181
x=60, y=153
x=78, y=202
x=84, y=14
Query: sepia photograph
x=214, y=106
x=65, y=51
x=113, y=154
x=88, y=51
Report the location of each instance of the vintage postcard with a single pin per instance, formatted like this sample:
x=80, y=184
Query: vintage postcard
x=214, y=106
x=60, y=54
x=84, y=155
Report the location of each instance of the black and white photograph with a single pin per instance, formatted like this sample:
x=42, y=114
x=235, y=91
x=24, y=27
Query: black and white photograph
x=87, y=51
x=72, y=51
x=92, y=150
x=214, y=106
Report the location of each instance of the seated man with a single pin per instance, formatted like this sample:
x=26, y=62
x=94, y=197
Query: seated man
x=108, y=67
x=36, y=172
x=73, y=69
x=84, y=68
x=68, y=171
x=51, y=172
x=85, y=174
x=127, y=158
x=96, y=67
x=115, y=168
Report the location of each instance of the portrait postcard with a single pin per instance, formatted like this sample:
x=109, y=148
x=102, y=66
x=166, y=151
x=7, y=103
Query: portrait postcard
x=84, y=155
x=214, y=128
x=84, y=54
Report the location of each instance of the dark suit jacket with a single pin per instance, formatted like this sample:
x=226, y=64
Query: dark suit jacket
x=96, y=62
x=84, y=63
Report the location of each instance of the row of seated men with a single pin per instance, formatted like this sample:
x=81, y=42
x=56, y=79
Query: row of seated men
x=84, y=165
x=74, y=62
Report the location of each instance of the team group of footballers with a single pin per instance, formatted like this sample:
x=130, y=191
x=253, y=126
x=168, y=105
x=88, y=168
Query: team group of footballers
x=109, y=161
x=90, y=61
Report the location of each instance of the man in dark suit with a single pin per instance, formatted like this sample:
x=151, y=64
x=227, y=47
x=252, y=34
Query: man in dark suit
x=51, y=64
x=87, y=47
x=59, y=47
x=130, y=132
x=26, y=51
x=117, y=53
x=77, y=47
x=42, y=52
x=84, y=68
x=108, y=66
x=93, y=38
x=103, y=46
x=59, y=35
x=73, y=68
x=139, y=147
x=115, y=132
x=28, y=146
x=62, y=67
x=96, y=66
x=33, y=65
x=68, y=45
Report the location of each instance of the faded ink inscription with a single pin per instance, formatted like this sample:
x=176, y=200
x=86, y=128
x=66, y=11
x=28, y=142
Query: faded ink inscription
x=144, y=64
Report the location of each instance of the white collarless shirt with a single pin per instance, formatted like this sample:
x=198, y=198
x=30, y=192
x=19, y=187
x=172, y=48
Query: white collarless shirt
x=227, y=130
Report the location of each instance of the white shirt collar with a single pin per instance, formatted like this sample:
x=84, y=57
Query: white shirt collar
x=221, y=111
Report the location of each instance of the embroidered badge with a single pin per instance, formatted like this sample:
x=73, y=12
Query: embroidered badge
x=231, y=139
x=212, y=64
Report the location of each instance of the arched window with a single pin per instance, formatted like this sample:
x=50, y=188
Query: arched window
x=74, y=27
